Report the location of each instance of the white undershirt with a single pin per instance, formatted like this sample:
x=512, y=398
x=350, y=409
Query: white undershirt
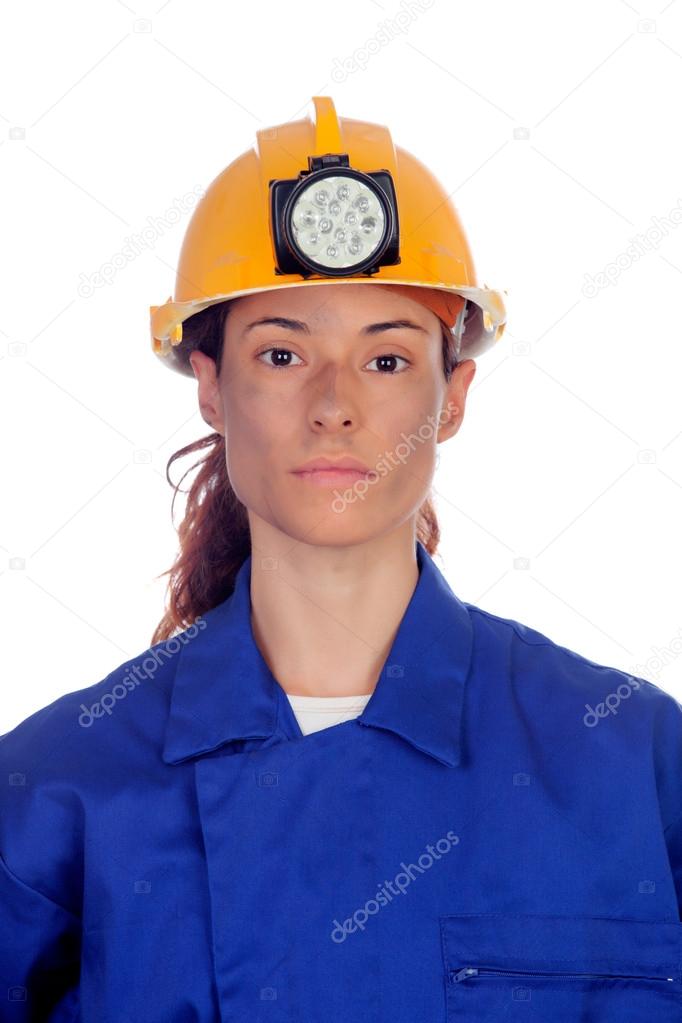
x=316, y=712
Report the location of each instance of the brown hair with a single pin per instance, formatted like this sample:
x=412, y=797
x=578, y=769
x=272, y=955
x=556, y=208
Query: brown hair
x=214, y=536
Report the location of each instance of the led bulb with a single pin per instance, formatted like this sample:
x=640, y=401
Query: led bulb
x=345, y=209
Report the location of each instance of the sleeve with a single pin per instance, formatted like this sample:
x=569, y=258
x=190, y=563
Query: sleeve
x=39, y=954
x=668, y=766
x=40, y=878
x=673, y=841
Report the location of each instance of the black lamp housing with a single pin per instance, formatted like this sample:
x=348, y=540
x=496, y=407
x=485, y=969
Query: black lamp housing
x=283, y=196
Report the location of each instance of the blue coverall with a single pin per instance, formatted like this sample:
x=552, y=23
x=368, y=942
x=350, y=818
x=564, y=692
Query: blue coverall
x=497, y=837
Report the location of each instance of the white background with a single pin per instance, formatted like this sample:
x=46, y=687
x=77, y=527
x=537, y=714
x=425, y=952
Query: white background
x=556, y=129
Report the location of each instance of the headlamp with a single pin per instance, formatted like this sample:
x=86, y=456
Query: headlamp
x=334, y=220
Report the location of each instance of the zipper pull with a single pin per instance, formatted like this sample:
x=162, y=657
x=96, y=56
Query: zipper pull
x=468, y=971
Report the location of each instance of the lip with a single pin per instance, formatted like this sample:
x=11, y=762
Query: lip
x=325, y=472
x=344, y=463
x=332, y=477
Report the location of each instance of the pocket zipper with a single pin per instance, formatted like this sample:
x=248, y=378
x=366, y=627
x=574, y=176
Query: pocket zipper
x=456, y=976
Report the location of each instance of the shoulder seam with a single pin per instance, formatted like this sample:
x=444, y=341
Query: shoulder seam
x=546, y=641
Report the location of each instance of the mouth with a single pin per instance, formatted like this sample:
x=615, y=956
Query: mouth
x=332, y=476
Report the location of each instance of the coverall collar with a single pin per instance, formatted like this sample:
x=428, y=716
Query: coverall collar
x=224, y=691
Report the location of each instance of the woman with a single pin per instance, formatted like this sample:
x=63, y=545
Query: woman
x=338, y=791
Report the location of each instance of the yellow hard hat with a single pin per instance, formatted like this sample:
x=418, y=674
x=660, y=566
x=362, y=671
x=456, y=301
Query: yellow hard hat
x=326, y=201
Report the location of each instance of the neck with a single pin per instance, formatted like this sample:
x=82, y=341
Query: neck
x=325, y=618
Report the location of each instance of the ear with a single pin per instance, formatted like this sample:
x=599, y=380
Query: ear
x=208, y=391
x=452, y=412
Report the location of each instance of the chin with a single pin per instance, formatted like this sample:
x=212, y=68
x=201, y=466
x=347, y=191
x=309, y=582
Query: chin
x=331, y=533
x=356, y=525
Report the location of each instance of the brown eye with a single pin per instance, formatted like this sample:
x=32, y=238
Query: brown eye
x=281, y=360
x=387, y=364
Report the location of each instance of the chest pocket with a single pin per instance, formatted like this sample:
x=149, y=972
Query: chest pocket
x=550, y=969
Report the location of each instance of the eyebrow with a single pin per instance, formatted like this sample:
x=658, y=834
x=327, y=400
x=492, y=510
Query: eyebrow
x=301, y=327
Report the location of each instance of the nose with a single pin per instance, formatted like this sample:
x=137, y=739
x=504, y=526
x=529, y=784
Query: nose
x=333, y=399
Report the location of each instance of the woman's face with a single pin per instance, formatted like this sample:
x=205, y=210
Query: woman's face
x=357, y=371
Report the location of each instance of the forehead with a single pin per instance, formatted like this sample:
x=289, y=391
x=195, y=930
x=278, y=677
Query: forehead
x=320, y=304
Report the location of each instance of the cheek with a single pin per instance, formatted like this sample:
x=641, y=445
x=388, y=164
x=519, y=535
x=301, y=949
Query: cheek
x=409, y=436
x=254, y=436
